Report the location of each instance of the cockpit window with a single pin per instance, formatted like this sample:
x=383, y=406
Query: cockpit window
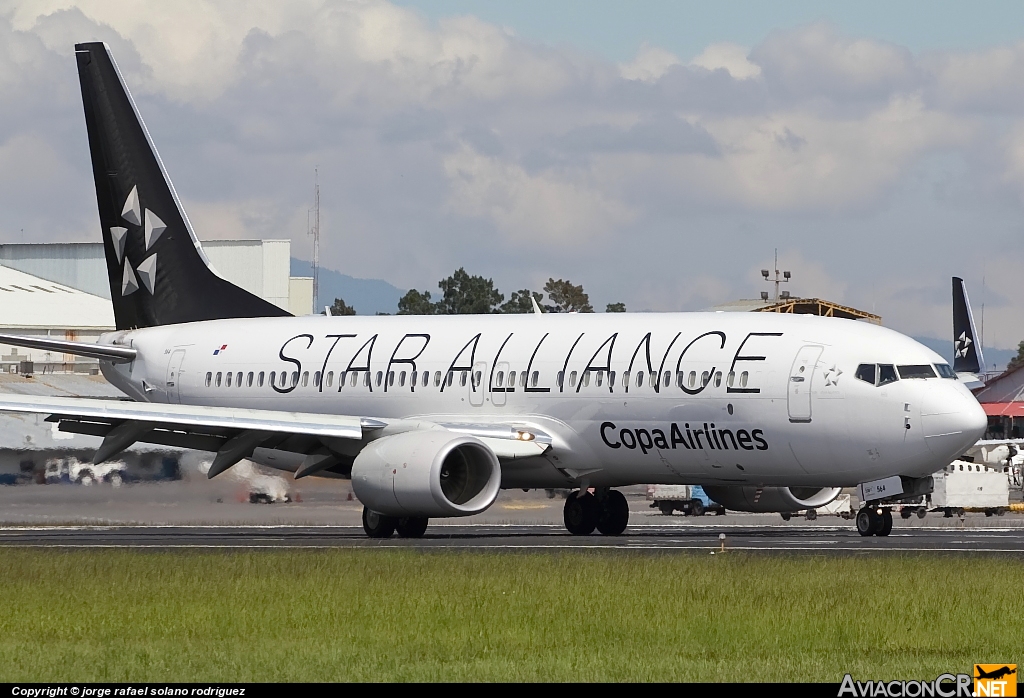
x=916, y=371
x=887, y=374
x=866, y=373
x=945, y=371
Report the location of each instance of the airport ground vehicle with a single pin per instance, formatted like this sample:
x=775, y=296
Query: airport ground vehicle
x=965, y=486
x=75, y=471
x=692, y=500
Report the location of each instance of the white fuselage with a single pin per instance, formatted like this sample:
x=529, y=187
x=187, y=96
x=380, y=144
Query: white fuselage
x=708, y=398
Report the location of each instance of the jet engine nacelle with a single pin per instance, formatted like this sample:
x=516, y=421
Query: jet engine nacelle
x=426, y=473
x=772, y=499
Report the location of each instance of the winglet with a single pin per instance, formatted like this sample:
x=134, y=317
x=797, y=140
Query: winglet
x=536, y=308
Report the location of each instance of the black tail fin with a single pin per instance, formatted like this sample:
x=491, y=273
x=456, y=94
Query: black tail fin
x=967, y=354
x=158, y=272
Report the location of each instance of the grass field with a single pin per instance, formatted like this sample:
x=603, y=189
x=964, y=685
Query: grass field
x=114, y=615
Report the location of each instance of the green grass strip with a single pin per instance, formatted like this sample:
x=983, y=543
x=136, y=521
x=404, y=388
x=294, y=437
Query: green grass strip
x=370, y=615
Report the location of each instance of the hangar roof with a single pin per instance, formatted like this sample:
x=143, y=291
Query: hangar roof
x=28, y=302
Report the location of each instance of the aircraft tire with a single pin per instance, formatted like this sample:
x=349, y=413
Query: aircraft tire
x=886, y=523
x=378, y=525
x=580, y=513
x=613, y=514
x=412, y=527
x=866, y=518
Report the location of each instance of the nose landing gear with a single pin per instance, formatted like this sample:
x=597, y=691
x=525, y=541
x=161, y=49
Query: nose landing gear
x=608, y=512
x=874, y=521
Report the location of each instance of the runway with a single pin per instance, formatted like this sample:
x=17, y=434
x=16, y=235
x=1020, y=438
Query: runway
x=787, y=538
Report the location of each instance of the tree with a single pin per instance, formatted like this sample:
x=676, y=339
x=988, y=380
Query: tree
x=1017, y=361
x=340, y=307
x=615, y=308
x=566, y=297
x=519, y=301
x=467, y=295
x=416, y=303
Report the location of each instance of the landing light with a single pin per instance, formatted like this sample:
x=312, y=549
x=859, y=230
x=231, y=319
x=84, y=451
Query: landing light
x=524, y=436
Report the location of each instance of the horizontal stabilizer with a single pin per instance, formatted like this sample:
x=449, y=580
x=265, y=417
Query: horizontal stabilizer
x=104, y=352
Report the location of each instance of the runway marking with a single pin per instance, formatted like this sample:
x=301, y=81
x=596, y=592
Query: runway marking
x=713, y=549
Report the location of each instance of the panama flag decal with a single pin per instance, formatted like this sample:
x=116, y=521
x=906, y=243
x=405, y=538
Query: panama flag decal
x=222, y=348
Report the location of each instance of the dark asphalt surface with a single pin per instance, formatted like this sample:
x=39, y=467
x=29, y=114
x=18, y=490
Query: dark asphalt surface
x=788, y=538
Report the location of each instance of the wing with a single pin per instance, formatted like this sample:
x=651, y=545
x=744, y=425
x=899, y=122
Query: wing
x=106, y=352
x=315, y=442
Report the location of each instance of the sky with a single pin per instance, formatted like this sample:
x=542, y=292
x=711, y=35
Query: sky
x=656, y=152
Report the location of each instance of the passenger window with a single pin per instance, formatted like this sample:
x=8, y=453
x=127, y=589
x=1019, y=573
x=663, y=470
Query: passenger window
x=273, y=375
x=412, y=378
x=730, y=378
x=238, y=379
x=743, y=379
x=437, y=379
x=916, y=371
x=585, y=379
x=611, y=378
x=572, y=379
x=316, y=379
x=666, y=379
x=401, y=379
x=248, y=382
x=945, y=371
x=511, y=379
x=391, y=378
x=477, y=377
x=693, y=379
x=704, y=378
x=866, y=373
x=887, y=374
x=654, y=379
x=259, y=380
x=535, y=379
x=366, y=379
x=330, y=379
x=558, y=379
x=426, y=378
x=462, y=379
x=227, y=379
x=295, y=379
x=625, y=379
x=522, y=379
x=680, y=379
x=499, y=379
x=718, y=379
x=639, y=379
x=209, y=379
x=600, y=378
x=380, y=378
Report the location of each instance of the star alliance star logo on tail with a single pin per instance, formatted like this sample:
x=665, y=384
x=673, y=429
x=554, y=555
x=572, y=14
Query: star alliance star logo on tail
x=961, y=345
x=223, y=347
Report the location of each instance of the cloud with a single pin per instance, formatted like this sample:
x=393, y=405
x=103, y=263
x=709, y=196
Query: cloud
x=659, y=182
x=731, y=58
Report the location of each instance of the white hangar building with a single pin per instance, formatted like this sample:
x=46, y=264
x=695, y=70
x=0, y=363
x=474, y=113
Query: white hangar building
x=60, y=290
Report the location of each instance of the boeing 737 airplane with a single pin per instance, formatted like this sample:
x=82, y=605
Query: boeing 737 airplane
x=430, y=416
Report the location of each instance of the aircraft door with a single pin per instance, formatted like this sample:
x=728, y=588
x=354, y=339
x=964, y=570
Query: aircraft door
x=174, y=376
x=500, y=380
x=476, y=383
x=801, y=376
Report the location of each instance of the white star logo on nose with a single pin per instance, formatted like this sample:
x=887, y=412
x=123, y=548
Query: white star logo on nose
x=832, y=376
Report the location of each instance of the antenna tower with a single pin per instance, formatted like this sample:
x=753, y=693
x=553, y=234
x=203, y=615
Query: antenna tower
x=314, y=230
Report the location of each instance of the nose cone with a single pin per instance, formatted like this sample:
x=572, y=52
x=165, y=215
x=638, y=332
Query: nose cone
x=952, y=420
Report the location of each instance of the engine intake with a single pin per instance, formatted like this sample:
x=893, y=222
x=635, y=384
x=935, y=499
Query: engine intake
x=772, y=499
x=426, y=473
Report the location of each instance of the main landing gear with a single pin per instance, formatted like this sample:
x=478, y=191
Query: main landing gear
x=606, y=510
x=874, y=521
x=381, y=526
